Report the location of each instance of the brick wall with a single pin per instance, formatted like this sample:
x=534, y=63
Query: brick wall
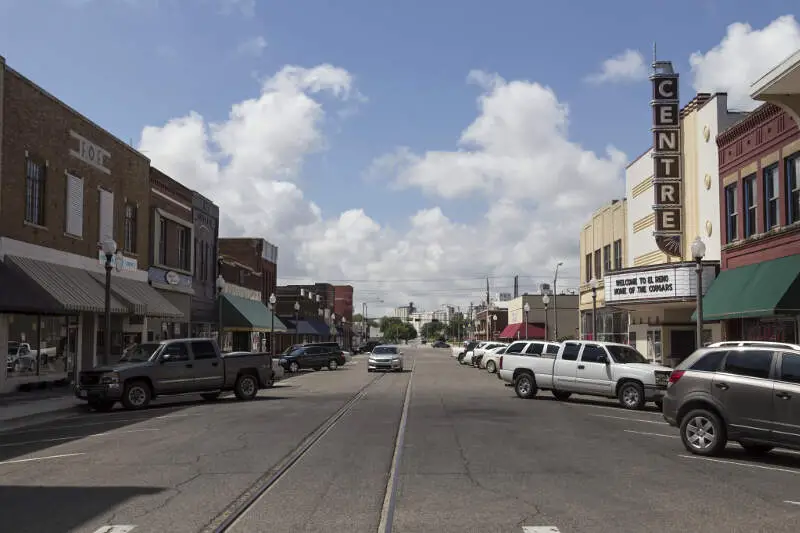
x=249, y=252
x=170, y=198
x=38, y=127
x=343, y=301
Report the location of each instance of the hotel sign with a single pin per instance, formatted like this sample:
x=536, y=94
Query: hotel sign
x=667, y=178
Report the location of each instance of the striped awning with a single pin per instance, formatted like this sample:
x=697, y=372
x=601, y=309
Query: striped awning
x=141, y=298
x=73, y=289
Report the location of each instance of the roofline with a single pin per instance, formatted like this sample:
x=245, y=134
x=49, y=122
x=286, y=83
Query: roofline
x=792, y=60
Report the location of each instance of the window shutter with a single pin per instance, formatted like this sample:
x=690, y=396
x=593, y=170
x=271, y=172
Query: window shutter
x=74, y=205
x=106, y=215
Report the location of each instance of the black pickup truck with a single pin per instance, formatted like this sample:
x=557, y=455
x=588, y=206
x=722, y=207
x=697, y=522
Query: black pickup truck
x=174, y=366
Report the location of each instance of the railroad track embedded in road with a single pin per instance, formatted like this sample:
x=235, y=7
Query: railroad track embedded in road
x=227, y=519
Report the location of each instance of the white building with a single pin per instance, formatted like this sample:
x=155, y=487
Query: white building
x=659, y=290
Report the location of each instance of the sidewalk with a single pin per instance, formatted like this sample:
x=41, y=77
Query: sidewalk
x=24, y=408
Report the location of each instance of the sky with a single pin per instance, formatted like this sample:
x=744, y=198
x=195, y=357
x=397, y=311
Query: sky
x=409, y=148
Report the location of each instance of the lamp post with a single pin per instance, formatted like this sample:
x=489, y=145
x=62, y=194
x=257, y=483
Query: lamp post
x=526, y=309
x=594, y=284
x=109, y=249
x=333, y=325
x=555, y=302
x=220, y=288
x=272, y=301
x=494, y=326
x=546, y=301
x=698, y=252
x=296, y=322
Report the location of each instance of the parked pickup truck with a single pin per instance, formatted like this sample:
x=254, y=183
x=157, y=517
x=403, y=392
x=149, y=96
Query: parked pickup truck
x=585, y=367
x=174, y=366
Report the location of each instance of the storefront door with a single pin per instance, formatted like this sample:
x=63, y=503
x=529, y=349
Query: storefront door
x=682, y=343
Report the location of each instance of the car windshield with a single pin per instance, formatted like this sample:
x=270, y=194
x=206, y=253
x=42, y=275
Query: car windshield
x=626, y=354
x=384, y=350
x=297, y=351
x=139, y=353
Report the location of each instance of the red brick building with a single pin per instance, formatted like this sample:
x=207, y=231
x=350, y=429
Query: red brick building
x=343, y=301
x=66, y=185
x=756, y=295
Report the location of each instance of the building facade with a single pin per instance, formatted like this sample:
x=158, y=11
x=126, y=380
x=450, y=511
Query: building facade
x=560, y=315
x=205, y=216
x=602, y=247
x=658, y=289
x=756, y=296
x=66, y=186
x=171, y=252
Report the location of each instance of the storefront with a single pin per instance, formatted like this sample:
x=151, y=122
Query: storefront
x=660, y=301
x=246, y=324
x=177, y=289
x=523, y=331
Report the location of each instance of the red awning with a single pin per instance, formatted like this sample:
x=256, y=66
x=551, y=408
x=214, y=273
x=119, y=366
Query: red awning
x=517, y=331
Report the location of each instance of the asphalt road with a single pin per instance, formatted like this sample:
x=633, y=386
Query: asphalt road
x=473, y=457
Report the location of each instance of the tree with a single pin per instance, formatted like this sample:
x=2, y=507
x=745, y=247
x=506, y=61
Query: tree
x=394, y=329
x=431, y=330
x=457, y=327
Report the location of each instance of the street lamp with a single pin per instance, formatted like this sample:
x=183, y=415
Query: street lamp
x=296, y=322
x=594, y=283
x=527, y=309
x=109, y=249
x=546, y=301
x=698, y=252
x=333, y=325
x=555, y=302
x=272, y=301
x=494, y=326
x=220, y=288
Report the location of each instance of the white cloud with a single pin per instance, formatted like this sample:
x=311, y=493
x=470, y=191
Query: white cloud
x=252, y=47
x=626, y=67
x=515, y=153
x=742, y=57
x=244, y=7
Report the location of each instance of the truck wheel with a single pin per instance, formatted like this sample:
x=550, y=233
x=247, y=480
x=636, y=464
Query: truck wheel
x=332, y=364
x=631, y=395
x=210, y=396
x=246, y=387
x=525, y=386
x=136, y=395
x=101, y=406
x=561, y=395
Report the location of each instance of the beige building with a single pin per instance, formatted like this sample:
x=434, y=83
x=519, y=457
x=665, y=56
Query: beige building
x=603, y=248
x=559, y=321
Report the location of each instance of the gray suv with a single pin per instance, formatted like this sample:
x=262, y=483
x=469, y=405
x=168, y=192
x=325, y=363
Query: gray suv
x=747, y=394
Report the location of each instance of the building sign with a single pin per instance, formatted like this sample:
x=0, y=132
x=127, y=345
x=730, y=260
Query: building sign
x=669, y=282
x=667, y=179
x=168, y=277
x=90, y=153
x=120, y=261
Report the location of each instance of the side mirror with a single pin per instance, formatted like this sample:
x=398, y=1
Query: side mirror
x=165, y=358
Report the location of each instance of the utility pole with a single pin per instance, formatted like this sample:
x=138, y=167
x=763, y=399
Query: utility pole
x=516, y=286
x=555, y=302
x=487, y=308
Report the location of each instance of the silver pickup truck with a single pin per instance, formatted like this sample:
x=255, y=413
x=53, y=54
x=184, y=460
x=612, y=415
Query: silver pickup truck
x=174, y=366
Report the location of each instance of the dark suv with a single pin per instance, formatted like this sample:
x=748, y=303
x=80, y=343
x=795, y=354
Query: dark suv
x=314, y=356
x=747, y=394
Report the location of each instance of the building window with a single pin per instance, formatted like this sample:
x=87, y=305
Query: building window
x=771, y=197
x=793, y=189
x=588, y=268
x=618, y=254
x=597, y=265
x=184, y=248
x=74, y=225
x=129, y=237
x=731, y=215
x=34, y=191
x=750, y=205
x=162, y=241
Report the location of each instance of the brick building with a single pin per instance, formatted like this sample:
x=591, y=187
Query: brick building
x=66, y=185
x=205, y=215
x=343, y=301
x=260, y=258
x=756, y=296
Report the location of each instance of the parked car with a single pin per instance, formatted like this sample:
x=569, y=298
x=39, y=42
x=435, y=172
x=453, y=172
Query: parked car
x=385, y=357
x=312, y=356
x=593, y=368
x=174, y=366
x=478, y=353
x=491, y=359
x=747, y=394
x=440, y=344
x=459, y=351
x=367, y=347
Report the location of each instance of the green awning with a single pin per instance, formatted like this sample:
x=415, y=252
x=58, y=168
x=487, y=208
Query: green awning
x=241, y=314
x=760, y=290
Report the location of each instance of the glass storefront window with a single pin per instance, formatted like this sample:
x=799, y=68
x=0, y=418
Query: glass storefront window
x=41, y=345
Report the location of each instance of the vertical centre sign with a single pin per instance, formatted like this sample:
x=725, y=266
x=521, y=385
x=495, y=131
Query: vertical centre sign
x=667, y=176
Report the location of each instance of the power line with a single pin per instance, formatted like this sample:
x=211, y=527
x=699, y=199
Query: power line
x=428, y=280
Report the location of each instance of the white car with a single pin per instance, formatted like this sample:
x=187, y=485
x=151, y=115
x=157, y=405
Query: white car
x=385, y=357
x=479, y=352
x=491, y=359
x=466, y=359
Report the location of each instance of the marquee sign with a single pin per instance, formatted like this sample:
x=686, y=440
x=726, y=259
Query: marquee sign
x=667, y=178
x=673, y=282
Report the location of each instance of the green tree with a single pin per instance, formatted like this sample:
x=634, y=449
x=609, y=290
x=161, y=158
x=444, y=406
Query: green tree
x=410, y=332
x=457, y=327
x=432, y=330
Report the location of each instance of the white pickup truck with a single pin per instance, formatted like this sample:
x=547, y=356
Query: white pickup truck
x=592, y=368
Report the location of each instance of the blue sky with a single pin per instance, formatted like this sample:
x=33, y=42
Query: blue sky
x=131, y=63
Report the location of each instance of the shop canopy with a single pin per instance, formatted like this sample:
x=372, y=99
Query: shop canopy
x=764, y=289
x=517, y=331
x=305, y=327
x=320, y=326
x=241, y=314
